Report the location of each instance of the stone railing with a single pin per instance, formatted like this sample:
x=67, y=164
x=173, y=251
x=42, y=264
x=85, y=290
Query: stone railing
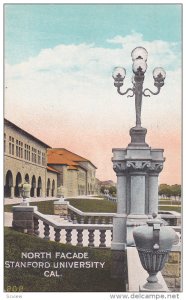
x=28, y=219
x=77, y=216
x=95, y=232
x=109, y=197
x=172, y=218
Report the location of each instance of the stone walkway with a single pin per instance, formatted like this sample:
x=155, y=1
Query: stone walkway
x=38, y=199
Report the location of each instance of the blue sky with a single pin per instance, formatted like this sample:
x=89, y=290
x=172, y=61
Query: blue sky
x=59, y=61
x=30, y=28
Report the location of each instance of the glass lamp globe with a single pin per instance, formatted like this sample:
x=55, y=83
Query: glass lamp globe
x=119, y=73
x=139, y=65
x=139, y=53
x=159, y=73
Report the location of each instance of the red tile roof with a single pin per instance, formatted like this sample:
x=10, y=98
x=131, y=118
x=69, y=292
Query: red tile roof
x=61, y=156
x=52, y=170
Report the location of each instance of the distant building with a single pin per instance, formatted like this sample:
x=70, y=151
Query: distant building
x=107, y=183
x=26, y=158
x=76, y=173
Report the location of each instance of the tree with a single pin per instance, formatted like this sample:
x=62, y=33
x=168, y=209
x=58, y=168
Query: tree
x=112, y=190
x=176, y=190
x=164, y=190
x=167, y=191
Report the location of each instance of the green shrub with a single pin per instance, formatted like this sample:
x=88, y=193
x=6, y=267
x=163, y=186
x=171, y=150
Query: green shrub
x=73, y=280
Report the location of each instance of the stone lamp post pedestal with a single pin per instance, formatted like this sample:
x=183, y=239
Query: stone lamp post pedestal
x=137, y=169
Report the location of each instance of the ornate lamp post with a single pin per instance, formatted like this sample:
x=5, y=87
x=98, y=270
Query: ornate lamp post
x=139, y=67
x=137, y=166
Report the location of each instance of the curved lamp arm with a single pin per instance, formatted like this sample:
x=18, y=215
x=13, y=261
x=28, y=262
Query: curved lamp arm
x=124, y=93
x=153, y=93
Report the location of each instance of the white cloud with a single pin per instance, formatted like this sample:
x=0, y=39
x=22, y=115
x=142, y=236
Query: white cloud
x=71, y=86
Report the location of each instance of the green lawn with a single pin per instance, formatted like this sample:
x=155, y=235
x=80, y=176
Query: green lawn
x=45, y=207
x=94, y=205
x=169, y=207
x=169, y=202
x=72, y=280
x=86, y=205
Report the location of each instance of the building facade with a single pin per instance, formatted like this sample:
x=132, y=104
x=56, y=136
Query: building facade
x=77, y=174
x=48, y=170
x=25, y=160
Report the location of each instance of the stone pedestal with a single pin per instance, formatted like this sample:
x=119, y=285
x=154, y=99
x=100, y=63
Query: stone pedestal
x=119, y=265
x=12, y=192
x=61, y=207
x=23, y=218
x=137, y=168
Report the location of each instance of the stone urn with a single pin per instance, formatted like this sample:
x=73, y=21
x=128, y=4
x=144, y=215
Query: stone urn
x=153, y=242
x=25, y=193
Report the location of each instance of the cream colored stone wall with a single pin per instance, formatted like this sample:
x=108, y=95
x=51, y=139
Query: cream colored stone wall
x=91, y=177
x=172, y=271
x=72, y=183
x=82, y=181
x=68, y=180
x=35, y=170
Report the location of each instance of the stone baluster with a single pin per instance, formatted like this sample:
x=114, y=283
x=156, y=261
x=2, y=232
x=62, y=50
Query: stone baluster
x=46, y=231
x=75, y=219
x=79, y=237
x=68, y=236
x=36, y=226
x=110, y=220
x=103, y=221
x=57, y=234
x=69, y=218
x=91, y=237
x=89, y=220
x=82, y=220
x=96, y=220
x=102, y=238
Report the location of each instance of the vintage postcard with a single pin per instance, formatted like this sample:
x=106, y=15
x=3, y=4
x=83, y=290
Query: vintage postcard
x=92, y=150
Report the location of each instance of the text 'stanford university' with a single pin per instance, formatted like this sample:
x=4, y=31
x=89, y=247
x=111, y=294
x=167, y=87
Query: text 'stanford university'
x=47, y=169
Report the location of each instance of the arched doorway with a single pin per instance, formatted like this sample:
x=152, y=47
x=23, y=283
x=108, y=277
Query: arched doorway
x=8, y=184
x=18, y=182
x=53, y=187
x=33, y=186
x=39, y=186
x=48, y=187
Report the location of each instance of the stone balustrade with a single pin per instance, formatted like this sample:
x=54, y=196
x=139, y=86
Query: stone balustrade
x=93, y=231
x=77, y=216
x=109, y=197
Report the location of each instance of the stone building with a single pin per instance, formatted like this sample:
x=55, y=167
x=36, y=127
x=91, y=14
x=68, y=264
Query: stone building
x=77, y=174
x=26, y=158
